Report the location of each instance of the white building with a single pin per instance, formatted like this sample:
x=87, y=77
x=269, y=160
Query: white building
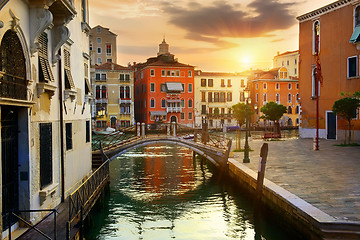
x=44, y=103
x=290, y=60
x=215, y=94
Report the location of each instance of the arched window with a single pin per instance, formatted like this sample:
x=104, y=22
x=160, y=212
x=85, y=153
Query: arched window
x=316, y=37
x=97, y=92
x=265, y=97
x=289, y=97
x=163, y=103
x=314, y=86
x=103, y=92
x=289, y=110
x=297, y=109
x=127, y=92
x=277, y=98
x=13, y=82
x=152, y=103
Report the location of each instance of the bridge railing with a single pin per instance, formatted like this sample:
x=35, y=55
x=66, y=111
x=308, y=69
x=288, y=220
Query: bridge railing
x=107, y=141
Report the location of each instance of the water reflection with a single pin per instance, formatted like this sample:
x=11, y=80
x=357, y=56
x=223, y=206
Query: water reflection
x=159, y=192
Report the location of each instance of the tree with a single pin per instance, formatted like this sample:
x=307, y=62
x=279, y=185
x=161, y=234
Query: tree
x=239, y=113
x=273, y=112
x=346, y=108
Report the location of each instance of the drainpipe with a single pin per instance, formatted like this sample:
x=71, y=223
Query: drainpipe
x=62, y=157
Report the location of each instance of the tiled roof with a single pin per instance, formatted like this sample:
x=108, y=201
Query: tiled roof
x=110, y=65
x=287, y=53
x=216, y=74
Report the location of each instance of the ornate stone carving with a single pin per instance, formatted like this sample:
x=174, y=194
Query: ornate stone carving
x=60, y=35
x=40, y=20
x=15, y=22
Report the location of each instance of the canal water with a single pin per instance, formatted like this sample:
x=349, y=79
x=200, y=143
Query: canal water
x=159, y=192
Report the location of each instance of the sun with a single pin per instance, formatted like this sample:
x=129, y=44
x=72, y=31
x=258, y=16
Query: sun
x=246, y=60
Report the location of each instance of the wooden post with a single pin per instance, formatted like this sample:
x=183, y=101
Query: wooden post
x=138, y=129
x=143, y=130
x=261, y=172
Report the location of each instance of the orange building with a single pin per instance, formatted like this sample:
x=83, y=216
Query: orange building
x=331, y=33
x=164, y=89
x=276, y=86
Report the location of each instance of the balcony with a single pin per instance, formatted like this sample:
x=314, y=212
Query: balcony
x=173, y=109
x=124, y=100
x=101, y=100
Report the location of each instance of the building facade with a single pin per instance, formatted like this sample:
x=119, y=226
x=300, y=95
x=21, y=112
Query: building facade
x=102, y=45
x=44, y=104
x=331, y=35
x=290, y=60
x=276, y=86
x=164, y=90
x=215, y=94
x=114, y=96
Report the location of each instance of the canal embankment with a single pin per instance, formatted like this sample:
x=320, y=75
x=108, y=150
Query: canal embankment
x=301, y=186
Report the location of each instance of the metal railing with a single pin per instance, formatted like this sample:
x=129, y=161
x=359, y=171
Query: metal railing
x=16, y=214
x=80, y=199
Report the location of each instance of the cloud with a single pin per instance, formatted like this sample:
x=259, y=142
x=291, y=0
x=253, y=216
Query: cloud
x=224, y=19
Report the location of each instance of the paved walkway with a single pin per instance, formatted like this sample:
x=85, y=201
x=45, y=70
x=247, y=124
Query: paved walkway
x=329, y=179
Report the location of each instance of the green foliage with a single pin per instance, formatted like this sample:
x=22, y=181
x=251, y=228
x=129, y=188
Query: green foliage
x=346, y=107
x=239, y=112
x=273, y=111
x=216, y=111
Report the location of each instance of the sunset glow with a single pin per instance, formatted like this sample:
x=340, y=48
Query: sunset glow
x=205, y=34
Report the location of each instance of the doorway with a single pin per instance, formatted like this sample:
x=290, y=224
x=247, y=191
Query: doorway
x=10, y=162
x=173, y=119
x=331, y=125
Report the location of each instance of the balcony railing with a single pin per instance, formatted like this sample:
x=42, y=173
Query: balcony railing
x=101, y=100
x=173, y=109
x=123, y=100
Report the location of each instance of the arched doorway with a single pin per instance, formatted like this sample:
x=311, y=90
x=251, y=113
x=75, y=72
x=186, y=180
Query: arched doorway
x=289, y=122
x=113, y=122
x=173, y=119
x=14, y=124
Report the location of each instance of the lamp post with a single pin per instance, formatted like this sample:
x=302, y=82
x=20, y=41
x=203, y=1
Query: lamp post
x=246, y=148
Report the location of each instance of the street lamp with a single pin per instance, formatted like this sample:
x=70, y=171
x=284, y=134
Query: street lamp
x=246, y=150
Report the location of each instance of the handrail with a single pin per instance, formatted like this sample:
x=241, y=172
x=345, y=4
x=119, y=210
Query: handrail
x=32, y=227
x=83, y=195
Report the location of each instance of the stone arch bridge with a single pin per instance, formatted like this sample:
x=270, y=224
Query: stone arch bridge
x=213, y=147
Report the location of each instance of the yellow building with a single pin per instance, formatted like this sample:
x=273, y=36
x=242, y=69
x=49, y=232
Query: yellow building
x=290, y=60
x=114, y=94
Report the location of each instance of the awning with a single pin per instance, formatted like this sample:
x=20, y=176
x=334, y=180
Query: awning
x=173, y=100
x=158, y=113
x=174, y=87
x=355, y=35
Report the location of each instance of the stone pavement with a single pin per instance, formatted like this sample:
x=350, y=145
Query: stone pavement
x=329, y=179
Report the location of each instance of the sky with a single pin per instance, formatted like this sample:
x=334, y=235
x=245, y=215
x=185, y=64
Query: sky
x=212, y=35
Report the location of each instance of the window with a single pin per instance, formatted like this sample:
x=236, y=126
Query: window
x=222, y=111
x=210, y=111
x=163, y=87
x=295, y=61
x=216, y=97
x=87, y=88
x=210, y=82
x=173, y=73
x=68, y=130
x=163, y=73
x=257, y=97
x=297, y=97
x=127, y=92
x=289, y=110
x=127, y=77
x=103, y=92
x=163, y=103
x=256, y=86
x=297, y=109
x=152, y=87
x=203, y=96
x=99, y=50
x=45, y=75
x=289, y=86
x=190, y=88
x=168, y=73
x=84, y=11
x=182, y=116
x=152, y=103
x=203, y=109
x=108, y=49
x=122, y=92
x=222, y=97
x=277, y=98
x=98, y=40
x=183, y=87
x=69, y=82
x=229, y=96
x=182, y=103
x=190, y=116
x=289, y=97
x=297, y=86
x=355, y=36
x=91, y=47
x=189, y=73
x=177, y=73
x=352, y=66
x=288, y=62
x=122, y=77
x=315, y=88
x=265, y=97
x=190, y=103
x=222, y=82
x=295, y=71
x=316, y=37
x=98, y=30
x=277, y=86
x=264, y=86
x=203, y=82
x=109, y=60
x=99, y=61
x=152, y=72
x=229, y=83
x=210, y=99
x=46, y=168
x=87, y=134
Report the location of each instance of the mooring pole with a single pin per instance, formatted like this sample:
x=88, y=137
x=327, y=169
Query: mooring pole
x=138, y=129
x=261, y=172
x=143, y=130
